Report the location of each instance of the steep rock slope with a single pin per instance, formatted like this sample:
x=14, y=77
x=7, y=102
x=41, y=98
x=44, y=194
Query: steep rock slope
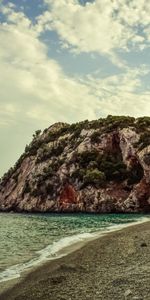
x=96, y=166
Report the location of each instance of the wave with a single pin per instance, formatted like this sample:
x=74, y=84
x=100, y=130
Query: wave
x=59, y=249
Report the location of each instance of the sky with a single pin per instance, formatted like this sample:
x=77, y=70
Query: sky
x=70, y=60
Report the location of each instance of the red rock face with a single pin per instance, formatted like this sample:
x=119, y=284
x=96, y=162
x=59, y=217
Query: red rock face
x=68, y=195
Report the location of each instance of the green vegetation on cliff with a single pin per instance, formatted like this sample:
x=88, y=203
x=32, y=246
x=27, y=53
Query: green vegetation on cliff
x=110, y=165
x=88, y=155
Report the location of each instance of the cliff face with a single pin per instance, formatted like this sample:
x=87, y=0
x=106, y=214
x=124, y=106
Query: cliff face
x=97, y=166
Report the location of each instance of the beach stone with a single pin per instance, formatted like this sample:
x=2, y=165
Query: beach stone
x=97, y=292
x=119, y=281
x=57, y=279
x=127, y=293
x=143, y=244
x=68, y=267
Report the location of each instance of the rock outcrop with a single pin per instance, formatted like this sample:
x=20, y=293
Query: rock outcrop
x=97, y=166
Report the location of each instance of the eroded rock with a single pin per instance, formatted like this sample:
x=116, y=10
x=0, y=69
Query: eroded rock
x=56, y=172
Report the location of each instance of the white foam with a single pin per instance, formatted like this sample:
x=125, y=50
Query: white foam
x=55, y=250
x=48, y=253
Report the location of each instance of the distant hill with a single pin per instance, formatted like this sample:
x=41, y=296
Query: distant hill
x=98, y=166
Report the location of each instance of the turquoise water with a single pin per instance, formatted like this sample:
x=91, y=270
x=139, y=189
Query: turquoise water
x=26, y=240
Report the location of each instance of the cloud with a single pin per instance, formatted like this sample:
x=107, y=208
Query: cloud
x=33, y=82
x=100, y=26
x=34, y=87
x=122, y=94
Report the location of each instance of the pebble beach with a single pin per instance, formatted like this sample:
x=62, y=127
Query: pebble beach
x=115, y=266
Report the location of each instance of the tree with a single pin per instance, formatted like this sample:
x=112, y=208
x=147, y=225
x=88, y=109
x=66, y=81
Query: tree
x=37, y=133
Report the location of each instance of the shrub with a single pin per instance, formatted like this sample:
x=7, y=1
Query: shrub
x=147, y=159
x=78, y=174
x=48, y=172
x=6, y=176
x=112, y=166
x=37, y=133
x=76, y=133
x=94, y=177
x=27, y=148
x=135, y=174
x=44, y=153
x=56, y=151
x=19, y=162
x=47, y=153
x=36, y=192
x=96, y=123
x=93, y=165
x=52, y=136
x=144, y=140
x=27, y=188
x=95, y=137
x=86, y=157
x=15, y=176
x=33, y=147
x=49, y=188
x=143, y=123
x=114, y=122
x=55, y=165
x=76, y=128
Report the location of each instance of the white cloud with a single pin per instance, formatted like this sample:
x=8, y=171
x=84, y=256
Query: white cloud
x=122, y=94
x=37, y=86
x=100, y=26
x=34, y=82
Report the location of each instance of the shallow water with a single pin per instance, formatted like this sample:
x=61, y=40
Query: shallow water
x=26, y=240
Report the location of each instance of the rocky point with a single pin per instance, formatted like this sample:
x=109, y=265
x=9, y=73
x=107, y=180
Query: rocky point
x=92, y=166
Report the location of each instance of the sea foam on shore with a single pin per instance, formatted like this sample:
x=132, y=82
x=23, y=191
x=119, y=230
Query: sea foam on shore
x=61, y=248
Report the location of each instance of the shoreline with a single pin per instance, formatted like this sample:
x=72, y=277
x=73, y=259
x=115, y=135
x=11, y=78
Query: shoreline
x=54, y=268
x=73, y=243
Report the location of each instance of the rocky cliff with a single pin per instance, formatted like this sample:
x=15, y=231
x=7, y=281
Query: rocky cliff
x=97, y=166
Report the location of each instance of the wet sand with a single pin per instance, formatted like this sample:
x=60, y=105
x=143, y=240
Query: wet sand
x=115, y=266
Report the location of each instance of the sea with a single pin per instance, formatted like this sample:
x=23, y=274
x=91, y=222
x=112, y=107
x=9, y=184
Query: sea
x=29, y=240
